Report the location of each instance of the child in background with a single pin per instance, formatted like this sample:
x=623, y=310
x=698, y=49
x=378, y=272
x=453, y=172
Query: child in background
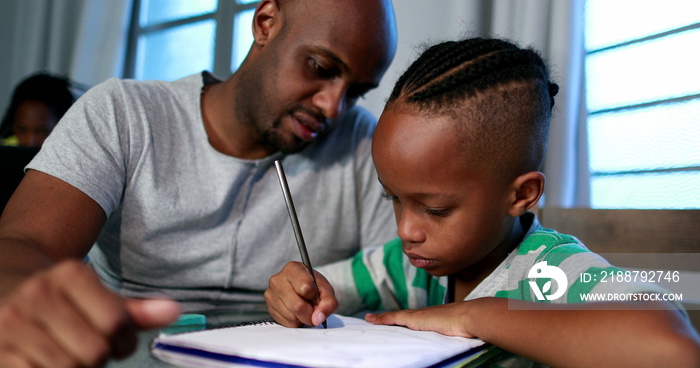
x=459, y=149
x=37, y=104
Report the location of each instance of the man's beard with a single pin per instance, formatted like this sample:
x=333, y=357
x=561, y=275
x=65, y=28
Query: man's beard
x=271, y=137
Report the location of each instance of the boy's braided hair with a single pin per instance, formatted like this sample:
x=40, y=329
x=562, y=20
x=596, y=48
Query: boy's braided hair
x=501, y=93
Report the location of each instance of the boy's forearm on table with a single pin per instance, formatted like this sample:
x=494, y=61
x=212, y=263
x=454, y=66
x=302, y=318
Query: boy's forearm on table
x=591, y=337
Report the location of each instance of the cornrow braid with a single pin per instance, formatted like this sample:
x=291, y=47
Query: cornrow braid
x=498, y=95
x=457, y=69
x=441, y=58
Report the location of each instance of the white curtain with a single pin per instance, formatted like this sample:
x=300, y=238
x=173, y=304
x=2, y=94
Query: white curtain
x=552, y=26
x=101, y=42
x=35, y=35
x=555, y=27
x=84, y=39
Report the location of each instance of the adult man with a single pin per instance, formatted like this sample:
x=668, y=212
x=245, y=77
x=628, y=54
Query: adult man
x=175, y=184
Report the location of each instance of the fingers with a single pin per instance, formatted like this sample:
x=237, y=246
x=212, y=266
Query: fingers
x=44, y=320
x=144, y=315
x=65, y=317
x=386, y=318
x=293, y=299
x=87, y=296
x=153, y=313
x=289, y=294
x=43, y=351
x=447, y=319
x=327, y=303
x=13, y=360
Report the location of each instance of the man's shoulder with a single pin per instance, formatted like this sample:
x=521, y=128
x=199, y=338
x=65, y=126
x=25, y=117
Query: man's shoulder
x=354, y=129
x=358, y=119
x=360, y=113
x=148, y=88
x=347, y=146
x=357, y=124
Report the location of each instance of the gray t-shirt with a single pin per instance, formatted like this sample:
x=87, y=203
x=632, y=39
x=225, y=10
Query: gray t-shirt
x=191, y=223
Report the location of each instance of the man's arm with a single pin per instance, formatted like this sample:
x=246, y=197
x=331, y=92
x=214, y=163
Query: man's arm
x=45, y=221
x=54, y=311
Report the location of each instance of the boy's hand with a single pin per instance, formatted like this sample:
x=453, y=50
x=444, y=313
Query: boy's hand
x=293, y=301
x=65, y=317
x=448, y=319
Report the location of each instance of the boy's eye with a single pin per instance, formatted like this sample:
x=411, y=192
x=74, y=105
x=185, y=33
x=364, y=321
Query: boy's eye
x=389, y=197
x=440, y=212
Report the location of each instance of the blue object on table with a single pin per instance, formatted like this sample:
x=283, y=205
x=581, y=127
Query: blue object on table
x=186, y=323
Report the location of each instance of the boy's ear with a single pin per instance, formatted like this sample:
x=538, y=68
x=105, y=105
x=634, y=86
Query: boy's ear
x=266, y=22
x=527, y=190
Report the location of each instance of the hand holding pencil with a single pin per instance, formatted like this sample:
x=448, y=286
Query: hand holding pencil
x=291, y=290
x=293, y=301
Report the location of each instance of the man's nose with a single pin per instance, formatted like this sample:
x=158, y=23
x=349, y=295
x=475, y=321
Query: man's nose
x=331, y=99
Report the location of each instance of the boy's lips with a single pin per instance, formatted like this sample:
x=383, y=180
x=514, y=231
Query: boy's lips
x=420, y=262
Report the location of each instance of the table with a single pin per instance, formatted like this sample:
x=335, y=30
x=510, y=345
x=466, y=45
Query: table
x=229, y=315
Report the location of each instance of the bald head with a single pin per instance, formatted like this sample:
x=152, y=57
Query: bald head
x=360, y=35
x=370, y=17
x=311, y=60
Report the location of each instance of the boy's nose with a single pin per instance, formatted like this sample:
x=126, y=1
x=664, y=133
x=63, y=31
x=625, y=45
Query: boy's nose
x=409, y=229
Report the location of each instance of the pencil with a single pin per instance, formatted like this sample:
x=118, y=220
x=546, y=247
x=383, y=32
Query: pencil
x=295, y=223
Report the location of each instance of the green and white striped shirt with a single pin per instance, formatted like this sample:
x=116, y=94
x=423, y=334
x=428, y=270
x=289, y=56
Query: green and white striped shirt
x=383, y=279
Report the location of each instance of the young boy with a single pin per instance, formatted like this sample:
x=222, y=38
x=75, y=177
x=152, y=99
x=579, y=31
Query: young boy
x=459, y=149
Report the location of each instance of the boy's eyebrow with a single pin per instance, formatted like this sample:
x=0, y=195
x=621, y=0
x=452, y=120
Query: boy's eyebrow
x=431, y=195
x=420, y=195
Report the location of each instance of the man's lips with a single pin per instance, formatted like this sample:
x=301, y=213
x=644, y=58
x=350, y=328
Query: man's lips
x=306, y=126
x=314, y=123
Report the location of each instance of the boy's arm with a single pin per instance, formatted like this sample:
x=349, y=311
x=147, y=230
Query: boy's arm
x=54, y=311
x=292, y=299
x=560, y=335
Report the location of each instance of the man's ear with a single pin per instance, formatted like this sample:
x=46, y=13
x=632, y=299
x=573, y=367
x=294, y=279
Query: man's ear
x=266, y=22
x=527, y=190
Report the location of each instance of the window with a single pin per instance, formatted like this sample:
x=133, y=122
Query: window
x=643, y=100
x=170, y=39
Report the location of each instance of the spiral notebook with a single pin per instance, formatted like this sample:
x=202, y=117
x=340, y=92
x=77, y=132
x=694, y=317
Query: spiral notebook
x=348, y=342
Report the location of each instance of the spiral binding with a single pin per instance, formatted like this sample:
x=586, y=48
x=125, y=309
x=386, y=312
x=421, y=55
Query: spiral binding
x=268, y=321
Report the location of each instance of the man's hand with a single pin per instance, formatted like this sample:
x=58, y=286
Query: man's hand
x=293, y=301
x=65, y=317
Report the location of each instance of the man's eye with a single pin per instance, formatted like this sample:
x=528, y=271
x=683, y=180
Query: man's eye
x=320, y=70
x=356, y=93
